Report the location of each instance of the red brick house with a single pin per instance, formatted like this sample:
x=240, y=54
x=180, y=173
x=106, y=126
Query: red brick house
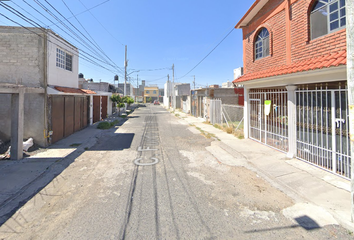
x=294, y=54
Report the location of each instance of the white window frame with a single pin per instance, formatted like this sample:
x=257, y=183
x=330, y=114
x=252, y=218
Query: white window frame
x=64, y=60
x=259, y=46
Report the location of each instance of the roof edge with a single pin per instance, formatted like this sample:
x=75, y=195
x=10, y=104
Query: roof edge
x=252, y=11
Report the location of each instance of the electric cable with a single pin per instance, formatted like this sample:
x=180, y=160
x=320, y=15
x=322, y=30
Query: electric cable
x=80, y=56
x=53, y=15
x=100, y=23
x=97, y=46
x=207, y=54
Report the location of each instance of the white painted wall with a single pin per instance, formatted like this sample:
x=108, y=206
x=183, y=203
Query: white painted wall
x=58, y=76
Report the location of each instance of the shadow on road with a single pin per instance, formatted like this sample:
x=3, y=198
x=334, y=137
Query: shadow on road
x=304, y=221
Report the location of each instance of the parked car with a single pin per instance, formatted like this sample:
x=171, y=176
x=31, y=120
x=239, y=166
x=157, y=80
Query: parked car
x=156, y=102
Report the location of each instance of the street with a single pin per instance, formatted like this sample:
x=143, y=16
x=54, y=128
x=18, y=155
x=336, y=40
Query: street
x=154, y=178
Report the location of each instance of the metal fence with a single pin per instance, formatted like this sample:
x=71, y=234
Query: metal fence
x=232, y=115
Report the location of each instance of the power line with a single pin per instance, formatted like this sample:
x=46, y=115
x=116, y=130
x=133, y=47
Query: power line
x=208, y=54
x=71, y=25
x=42, y=29
x=90, y=35
x=101, y=23
x=88, y=9
x=60, y=29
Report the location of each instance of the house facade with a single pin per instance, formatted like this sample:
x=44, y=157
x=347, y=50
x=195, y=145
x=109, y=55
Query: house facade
x=39, y=58
x=295, y=83
x=151, y=93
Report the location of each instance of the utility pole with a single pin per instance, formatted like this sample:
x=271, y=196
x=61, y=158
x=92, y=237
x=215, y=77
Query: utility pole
x=194, y=82
x=350, y=79
x=173, y=88
x=125, y=71
x=137, y=87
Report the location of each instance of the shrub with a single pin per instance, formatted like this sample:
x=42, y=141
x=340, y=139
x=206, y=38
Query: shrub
x=104, y=125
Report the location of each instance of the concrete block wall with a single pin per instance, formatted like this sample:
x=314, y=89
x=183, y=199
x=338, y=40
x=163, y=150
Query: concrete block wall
x=22, y=56
x=23, y=61
x=34, y=121
x=274, y=16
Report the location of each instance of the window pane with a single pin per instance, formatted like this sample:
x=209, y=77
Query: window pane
x=333, y=16
x=266, y=47
x=342, y=22
x=342, y=3
x=317, y=6
x=342, y=12
x=333, y=7
x=334, y=25
x=319, y=25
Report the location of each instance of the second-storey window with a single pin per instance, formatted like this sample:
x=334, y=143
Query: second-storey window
x=64, y=60
x=261, y=46
x=327, y=16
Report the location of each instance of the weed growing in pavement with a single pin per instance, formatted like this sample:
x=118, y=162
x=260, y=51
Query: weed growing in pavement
x=239, y=134
x=75, y=144
x=107, y=125
x=206, y=134
x=230, y=130
x=177, y=115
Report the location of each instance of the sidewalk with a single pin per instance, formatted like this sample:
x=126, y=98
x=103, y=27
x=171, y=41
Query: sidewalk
x=320, y=195
x=20, y=180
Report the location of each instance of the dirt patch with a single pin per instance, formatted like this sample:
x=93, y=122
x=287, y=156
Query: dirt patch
x=236, y=186
x=256, y=193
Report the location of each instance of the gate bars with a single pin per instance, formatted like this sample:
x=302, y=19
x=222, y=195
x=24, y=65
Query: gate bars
x=269, y=117
x=322, y=123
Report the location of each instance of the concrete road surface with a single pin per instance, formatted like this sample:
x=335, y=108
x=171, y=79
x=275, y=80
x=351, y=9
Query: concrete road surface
x=157, y=177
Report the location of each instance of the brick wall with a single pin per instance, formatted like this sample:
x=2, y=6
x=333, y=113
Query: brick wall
x=301, y=45
x=273, y=17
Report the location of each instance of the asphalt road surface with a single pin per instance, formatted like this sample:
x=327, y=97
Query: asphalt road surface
x=152, y=178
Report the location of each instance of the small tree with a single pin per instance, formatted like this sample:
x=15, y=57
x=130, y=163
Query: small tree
x=129, y=101
x=149, y=99
x=118, y=101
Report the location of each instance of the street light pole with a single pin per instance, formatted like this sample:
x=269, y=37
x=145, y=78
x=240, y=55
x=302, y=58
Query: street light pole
x=125, y=72
x=173, y=88
x=349, y=8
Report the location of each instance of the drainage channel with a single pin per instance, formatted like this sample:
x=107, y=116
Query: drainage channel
x=147, y=151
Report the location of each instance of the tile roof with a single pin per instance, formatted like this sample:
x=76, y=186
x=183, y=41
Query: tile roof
x=88, y=91
x=74, y=90
x=324, y=61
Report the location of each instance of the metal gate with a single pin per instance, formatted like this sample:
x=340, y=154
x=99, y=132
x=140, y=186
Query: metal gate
x=215, y=111
x=322, y=121
x=269, y=117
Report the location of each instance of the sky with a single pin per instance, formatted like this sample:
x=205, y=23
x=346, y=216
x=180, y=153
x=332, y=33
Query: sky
x=189, y=34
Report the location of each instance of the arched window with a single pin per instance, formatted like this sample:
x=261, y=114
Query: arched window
x=327, y=16
x=261, y=46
